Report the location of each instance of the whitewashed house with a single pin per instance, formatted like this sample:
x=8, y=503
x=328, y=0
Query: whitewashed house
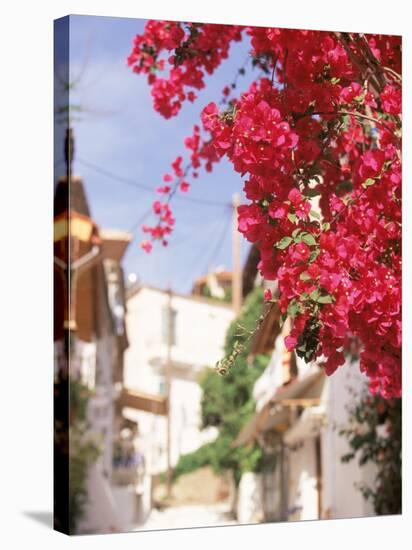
x=199, y=327
x=299, y=412
x=90, y=337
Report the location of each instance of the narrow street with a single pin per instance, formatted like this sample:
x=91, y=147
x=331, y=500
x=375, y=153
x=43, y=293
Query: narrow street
x=189, y=516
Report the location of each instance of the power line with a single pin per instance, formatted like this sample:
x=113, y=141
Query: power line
x=216, y=247
x=219, y=243
x=143, y=187
x=113, y=176
x=221, y=235
x=147, y=213
x=140, y=220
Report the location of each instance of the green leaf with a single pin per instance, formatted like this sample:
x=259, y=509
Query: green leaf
x=344, y=186
x=299, y=236
x=313, y=255
x=296, y=232
x=311, y=192
x=359, y=98
x=314, y=295
x=304, y=276
x=347, y=201
x=368, y=183
x=309, y=239
x=326, y=226
x=292, y=217
x=293, y=309
x=326, y=299
x=283, y=243
x=315, y=214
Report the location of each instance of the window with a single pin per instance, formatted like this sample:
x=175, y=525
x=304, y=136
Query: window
x=162, y=387
x=165, y=325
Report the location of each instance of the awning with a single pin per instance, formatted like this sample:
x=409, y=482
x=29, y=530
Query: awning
x=308, y=425
x=114, y=243
x=306, y=387
x=247, y=433
x=267, y=419
x=305, y=392
x=155, y=404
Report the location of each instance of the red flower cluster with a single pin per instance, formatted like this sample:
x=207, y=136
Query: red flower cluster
x=202, y=155
x=318, y=142
x=196, y=49
x=391, y=99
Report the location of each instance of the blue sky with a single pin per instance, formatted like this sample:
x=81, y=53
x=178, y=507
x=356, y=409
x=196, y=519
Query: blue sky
x=119, y=132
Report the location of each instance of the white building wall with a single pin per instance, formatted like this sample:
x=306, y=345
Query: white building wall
x=103, y=401
x=341, y=498
x=303, y=494
x=93, y=363
x=249, y=507
x=200, y=330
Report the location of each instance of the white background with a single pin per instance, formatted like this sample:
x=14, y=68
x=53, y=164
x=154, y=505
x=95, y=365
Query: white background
x=26, y=270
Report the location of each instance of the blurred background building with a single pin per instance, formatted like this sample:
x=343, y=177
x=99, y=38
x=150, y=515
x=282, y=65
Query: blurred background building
x=156, y=366
x=299, y=414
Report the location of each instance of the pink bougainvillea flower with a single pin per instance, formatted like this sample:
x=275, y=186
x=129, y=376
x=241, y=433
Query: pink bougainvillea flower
x=268, y=294
x=322, y=187
x=291, y=342
x=146, y=246
x=184, y=186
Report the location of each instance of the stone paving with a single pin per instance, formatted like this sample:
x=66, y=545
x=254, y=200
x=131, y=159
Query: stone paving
x=188, y=516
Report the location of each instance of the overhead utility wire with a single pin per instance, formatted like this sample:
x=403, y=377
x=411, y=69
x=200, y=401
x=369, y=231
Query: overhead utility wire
x=219, y=242
x=139, y=221
x=144, y=187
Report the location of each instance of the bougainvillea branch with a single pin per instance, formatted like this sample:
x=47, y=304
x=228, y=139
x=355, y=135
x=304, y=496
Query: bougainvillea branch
x=317, y=139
